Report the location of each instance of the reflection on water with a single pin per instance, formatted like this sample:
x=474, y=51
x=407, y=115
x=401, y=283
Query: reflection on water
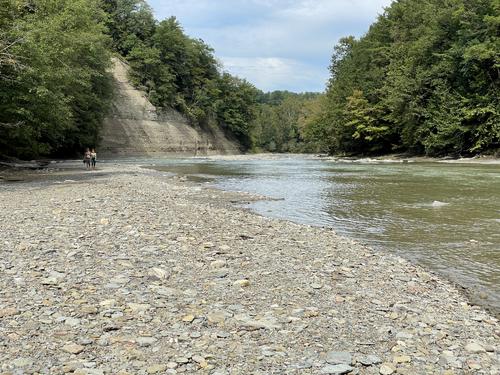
x=443, y=216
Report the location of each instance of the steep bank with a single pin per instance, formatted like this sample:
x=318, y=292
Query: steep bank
x=173, y=279
x=136, y=128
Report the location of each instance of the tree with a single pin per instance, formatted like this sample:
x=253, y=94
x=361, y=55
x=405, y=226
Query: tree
x=424, y=79
x=63, y=89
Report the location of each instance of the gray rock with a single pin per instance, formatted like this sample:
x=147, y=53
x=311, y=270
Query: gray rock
x=145, y=341
x=22, y=362
x=337, y=369
x=474, y=347
x=335, y=358
x=369, y=360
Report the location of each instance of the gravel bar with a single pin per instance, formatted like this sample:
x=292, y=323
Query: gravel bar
x=136, y=272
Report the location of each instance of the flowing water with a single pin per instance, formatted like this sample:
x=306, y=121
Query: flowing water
x=443, y=216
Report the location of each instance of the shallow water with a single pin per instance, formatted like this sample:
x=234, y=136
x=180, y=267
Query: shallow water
x=445, y=217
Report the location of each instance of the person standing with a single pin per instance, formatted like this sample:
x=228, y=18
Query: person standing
x=93, y=157
x=86, y=158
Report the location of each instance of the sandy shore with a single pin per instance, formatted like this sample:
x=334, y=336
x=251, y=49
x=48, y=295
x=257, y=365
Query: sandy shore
x=127, y=271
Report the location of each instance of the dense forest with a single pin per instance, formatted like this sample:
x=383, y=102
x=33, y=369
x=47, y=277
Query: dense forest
x=178, y=71
x=281, y=119
x=424, y=79
x=55, y=85
x=55, y=60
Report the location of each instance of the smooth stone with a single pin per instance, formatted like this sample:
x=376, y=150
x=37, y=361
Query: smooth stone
x=489, y=348
x=369, y=360
x=73, y=348
x=155, y=369
x=88, y=371
x=242, y=283
x=218, y=264
x=335, y=358
x=139, y=307
x=9, y=311
x=159, y=273
x=223, y=335
x=337, y=369
x=198, y=358
x=22, y=362
x=73, y=322
x=188, y=318
x=402, y=359
x=217, y=317
x=404, y=336
x=386, y=369
x=474, y=347
x=220, y=273
x=145, y=341
x=249, y=324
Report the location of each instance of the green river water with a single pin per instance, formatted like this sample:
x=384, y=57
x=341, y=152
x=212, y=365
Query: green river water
x=445, y=217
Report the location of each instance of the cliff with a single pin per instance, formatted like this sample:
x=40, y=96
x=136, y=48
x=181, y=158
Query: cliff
x=136, y=128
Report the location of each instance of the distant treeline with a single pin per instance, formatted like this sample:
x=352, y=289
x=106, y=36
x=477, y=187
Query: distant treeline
x=282, y=121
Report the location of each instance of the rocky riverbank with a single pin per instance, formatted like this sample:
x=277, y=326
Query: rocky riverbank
x=134, y=272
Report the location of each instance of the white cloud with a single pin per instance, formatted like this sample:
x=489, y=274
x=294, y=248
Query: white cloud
x=279, y=38
x=271, y=73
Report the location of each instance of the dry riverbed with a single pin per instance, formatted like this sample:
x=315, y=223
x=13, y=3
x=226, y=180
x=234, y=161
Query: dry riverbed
x=134, y=272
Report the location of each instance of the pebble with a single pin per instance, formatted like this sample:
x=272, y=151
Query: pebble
x=335, y=358
x=151, y=290
x=242, y=283
x=474, y=347
x=73, y=348
x=387, y=369
x=156, y=369
x=337, y=369
x=22, y=362
x=145, y=341
x=402, y=359
x=369, y=360
x=188, y=318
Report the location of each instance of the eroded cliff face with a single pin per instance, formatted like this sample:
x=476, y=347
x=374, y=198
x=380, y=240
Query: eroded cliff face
x=136, y=128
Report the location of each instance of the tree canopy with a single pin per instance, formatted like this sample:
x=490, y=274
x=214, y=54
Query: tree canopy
x=424, y=79
x=178, y=71
x=53, y=73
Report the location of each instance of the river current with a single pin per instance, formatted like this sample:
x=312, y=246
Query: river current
x=445, y=217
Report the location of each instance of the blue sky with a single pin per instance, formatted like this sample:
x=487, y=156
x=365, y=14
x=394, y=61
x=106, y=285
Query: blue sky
x=274, y=44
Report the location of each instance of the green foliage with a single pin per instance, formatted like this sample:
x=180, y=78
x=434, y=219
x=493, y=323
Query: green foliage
x=56, y=89
x=178, y=71
x=232, y=107
x=424, y=79
x=281, y=122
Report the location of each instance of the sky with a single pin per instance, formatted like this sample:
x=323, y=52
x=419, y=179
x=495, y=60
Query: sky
x=274, y=44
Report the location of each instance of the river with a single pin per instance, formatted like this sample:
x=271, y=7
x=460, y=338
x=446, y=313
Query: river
x=445, y=217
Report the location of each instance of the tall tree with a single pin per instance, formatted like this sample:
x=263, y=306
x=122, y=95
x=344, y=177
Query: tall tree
x=428, y=72
x=61, y=89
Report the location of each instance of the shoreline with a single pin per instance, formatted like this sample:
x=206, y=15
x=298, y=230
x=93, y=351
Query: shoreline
x=391, y=158
x=177, y=279
x=70, y=171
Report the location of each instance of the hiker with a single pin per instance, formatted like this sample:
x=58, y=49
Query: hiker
x=86, y=158
x=93, y=157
